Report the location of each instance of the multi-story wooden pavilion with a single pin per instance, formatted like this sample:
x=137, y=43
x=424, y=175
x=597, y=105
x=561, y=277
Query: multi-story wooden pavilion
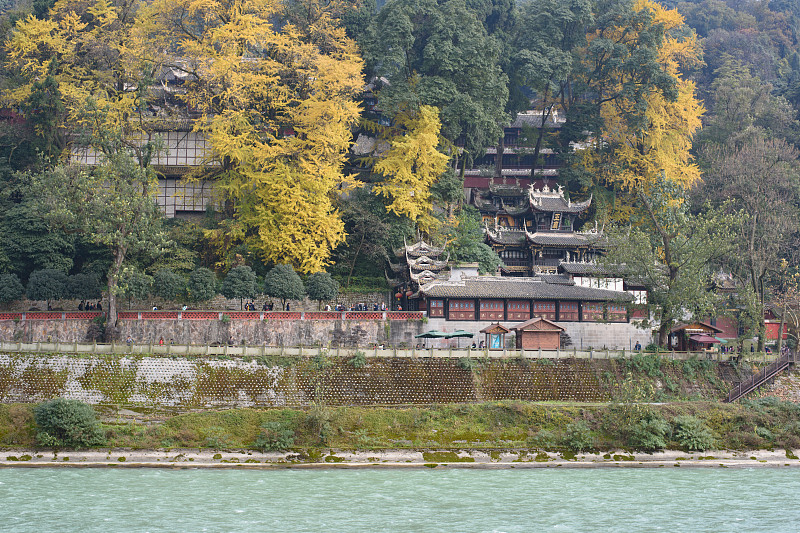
x=533, y=231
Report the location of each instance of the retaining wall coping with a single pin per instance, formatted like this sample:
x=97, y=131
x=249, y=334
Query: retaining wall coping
x=195, y=350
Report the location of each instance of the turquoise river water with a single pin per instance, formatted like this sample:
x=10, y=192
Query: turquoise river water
x=423, y=500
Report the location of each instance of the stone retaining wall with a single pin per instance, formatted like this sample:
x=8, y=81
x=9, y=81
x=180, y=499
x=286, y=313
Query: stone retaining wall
x=360, y=330
x=274, y=381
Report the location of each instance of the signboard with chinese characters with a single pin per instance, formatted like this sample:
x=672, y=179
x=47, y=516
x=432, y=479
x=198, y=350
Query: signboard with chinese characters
x=556, y=221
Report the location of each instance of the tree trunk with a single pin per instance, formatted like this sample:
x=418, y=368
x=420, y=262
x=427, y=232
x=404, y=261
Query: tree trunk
x=355, y=257
x=498, y=160
x=113, y=280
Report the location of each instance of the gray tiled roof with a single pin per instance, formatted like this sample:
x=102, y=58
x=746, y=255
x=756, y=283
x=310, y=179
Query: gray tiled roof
x=558, y=204
x=507, y=191
x=511, y=237
x=584, y=268
x=556, y=279
x=533, y=120
x=559, y=239
x=523, y=288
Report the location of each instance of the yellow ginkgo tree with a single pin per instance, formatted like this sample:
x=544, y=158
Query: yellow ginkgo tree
x=89, y=51
x=411, y=165
x=647, y=124
x=277, y=103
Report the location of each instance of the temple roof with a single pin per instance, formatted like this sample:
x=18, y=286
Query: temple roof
x=559, y=239
x=584, y=268
x=507, y=236
x=521, y=288
x=552, y=200
x=419, y=249
x=556, y=279
x=507, y=191
x=537, y=324
x=426, y=263
x=533, y=119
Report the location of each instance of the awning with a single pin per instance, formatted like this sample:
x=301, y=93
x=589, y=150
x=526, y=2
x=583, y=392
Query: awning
x=433, y=334
x=704, y=339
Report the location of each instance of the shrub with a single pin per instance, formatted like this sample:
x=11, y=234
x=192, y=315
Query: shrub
x=10, y=288
x=543, y=439
x=466, y=363
x=692, y=434
x=321, y=287
x=359, y=360
x=284, y=283
x=67, y=423
x=649, y=434
x=84, y=286
x=216, y=437
x=274, y=437
x=578, y=437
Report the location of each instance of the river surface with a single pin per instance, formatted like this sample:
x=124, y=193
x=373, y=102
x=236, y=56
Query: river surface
x=398, y=500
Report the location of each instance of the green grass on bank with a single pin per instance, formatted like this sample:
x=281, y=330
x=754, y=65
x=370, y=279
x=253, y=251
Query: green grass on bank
x=756, y=424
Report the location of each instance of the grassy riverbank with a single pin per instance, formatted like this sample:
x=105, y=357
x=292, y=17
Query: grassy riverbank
x=758, y=424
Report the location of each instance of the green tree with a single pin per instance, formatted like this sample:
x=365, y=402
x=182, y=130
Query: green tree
x=320, y=286
x=759, y=177
x=134, y=285
x=440, y=54
x=10, y=288
x=48, y=284
x=545, y=57
x=202, y=284
x=673, y=253
x=84, y=286
x=240, y=283
x=284, y=283
x=168, y=285
x=465, y=242
x=26, y=239
x=112, y=205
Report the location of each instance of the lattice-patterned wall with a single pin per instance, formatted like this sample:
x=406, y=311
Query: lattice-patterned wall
x=184, y=383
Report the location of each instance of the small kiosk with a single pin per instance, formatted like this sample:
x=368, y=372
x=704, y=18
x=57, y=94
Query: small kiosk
x=538, y=333
x=495, y=336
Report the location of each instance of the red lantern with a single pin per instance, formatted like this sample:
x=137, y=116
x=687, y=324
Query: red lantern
x=409, y=293
x=397, y=295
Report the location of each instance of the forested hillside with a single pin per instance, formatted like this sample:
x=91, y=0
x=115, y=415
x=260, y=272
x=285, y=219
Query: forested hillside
x=679, y=119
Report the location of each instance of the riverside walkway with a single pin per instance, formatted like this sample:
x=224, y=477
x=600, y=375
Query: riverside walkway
x=196, y=350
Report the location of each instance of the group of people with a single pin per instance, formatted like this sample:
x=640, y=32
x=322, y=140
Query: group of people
x=358, y=307
x=89, y=306
x=268, y=306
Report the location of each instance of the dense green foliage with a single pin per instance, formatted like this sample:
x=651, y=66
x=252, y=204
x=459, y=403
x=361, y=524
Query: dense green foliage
x=754, y=424
x=320, y=286
x=586, y=69
x=64, y=423
x=202, y=284
x=240, y=283
x=284, y=283
x=47, y=284
x=168, y=285
x=10, y=288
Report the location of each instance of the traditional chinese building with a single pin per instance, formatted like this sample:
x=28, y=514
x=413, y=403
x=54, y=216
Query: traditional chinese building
x=533, y=230
x=420, y=263
x=501, y=299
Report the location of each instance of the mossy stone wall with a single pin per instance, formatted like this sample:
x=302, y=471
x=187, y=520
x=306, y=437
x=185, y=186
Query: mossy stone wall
x=161, y=382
